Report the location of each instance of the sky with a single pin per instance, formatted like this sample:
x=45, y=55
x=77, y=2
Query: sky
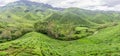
x=106, y=5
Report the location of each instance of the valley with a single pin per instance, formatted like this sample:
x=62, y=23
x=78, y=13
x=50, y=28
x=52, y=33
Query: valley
x=37, y=29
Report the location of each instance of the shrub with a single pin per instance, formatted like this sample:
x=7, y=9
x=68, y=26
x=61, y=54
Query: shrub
x=12, y=29
x=102, y=26
x=2, y=48
x=26, y=10
x=61, y=31
x=2, y=25
x=6, y=34
x=17, y=34
x=41, y=27
x=3, y=53
x=114, y=24
x=26, y=30
x=1, y=30
x=8, y=16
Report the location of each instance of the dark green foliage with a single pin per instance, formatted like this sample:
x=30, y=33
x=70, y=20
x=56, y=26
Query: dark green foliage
x=3, y=53
x=2, y=25
x=6, y=34
x=11, y=33
x=17, y=34
x=26, y=30
x=8, y=16
x=1, y=30
x=26, y=11
x=103, y=26
x=41, y=27
x=61, y=31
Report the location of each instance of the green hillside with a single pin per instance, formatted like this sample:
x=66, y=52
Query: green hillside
x=37, y=29
x=100, y=17
x=67, y=17
x=104, y=43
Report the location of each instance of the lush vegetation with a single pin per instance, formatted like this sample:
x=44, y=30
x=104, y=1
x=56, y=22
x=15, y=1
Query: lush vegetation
x=63, y=31
x=37, y=29
x=37, y=44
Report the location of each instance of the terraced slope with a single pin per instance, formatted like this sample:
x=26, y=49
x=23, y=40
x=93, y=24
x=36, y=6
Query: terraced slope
x=104, y=43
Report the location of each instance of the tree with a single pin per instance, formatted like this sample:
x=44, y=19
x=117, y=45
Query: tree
x=17, y=34
x=6, y=34
x=41, y=27
x=26, y=30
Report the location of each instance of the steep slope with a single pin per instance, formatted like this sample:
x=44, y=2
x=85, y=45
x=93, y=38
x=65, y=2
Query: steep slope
x=24, y=12
x=105, y=42
x=69, y=18
x=23, y=7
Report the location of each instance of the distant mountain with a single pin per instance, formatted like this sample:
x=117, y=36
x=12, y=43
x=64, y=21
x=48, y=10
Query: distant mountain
x=34, y=11
x=99, y=17
x=29, y=5
x=25, y=10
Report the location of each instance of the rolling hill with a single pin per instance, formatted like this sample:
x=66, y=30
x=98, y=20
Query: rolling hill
x=37, y=29
x=103, y=43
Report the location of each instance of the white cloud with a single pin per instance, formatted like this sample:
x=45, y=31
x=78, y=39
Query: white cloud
x=71, y=3
x=4, y=2
x=86, y=4
x=105, y=8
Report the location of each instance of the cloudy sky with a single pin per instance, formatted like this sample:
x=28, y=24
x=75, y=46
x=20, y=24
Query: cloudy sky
x=106, y=5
